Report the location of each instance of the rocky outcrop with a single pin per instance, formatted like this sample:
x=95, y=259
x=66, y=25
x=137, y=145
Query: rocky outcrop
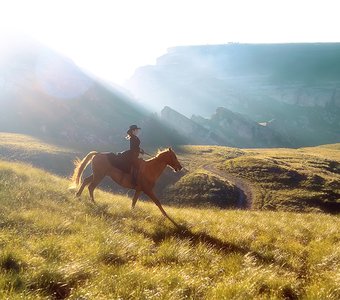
x=224, y=128
x=241, y=131
x=194, y=132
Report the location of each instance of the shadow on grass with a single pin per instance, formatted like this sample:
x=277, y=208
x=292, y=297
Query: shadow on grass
x=195, y=238
x=184, y=233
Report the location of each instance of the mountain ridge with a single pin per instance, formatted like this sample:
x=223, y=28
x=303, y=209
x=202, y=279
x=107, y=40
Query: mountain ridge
x=298, y=85
x=46, y=95
x=225, y=128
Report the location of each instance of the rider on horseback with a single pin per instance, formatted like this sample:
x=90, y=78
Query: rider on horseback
x=135, y=150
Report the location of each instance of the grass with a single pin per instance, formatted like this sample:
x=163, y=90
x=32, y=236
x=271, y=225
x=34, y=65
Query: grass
x=201, y=188
x=53, y=246
x=25, y=143
x=306, y=179
x=288, y=179
x=20, y=147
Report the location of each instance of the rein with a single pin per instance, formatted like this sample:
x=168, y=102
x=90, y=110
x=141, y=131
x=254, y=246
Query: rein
x=148, y=154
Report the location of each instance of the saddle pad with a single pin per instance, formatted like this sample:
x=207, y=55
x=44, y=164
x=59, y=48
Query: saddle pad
x=119, y=161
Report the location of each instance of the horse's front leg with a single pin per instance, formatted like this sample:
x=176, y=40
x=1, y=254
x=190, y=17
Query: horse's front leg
x=135, y=198
x=152, y=195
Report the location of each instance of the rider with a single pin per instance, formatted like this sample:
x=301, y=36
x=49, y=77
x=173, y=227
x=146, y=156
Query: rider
x=135, y=150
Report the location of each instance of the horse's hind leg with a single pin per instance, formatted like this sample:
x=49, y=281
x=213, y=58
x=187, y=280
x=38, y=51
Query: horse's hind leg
x=135, y=198
x=85, y=182
x=96, y=180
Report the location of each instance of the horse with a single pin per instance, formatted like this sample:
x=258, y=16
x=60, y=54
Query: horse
x=149, y=172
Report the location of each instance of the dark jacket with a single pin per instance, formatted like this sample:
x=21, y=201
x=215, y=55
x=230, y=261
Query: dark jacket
x=131, y=156
x=126, y=159
x=134, y=146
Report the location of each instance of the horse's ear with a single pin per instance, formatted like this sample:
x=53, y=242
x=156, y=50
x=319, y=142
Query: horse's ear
x=170, y=149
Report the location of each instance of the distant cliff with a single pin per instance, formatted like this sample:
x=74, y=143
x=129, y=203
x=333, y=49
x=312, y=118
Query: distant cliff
x=297, y=85
x=224, y=128
x=193, y=131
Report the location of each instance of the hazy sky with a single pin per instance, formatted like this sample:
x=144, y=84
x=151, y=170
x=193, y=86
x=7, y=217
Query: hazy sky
x=111, y=37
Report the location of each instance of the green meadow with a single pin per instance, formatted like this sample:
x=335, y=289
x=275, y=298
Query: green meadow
x=55, y=246
x=277, y=179
x=297, y=180
x=39, y=153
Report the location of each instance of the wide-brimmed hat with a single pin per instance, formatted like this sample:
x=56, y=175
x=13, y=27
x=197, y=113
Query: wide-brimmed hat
x=133, y=127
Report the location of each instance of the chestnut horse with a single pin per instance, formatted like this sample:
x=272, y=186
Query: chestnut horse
x=149, y=172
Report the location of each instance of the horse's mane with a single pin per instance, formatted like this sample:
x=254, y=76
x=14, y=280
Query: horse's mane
x=159, y=152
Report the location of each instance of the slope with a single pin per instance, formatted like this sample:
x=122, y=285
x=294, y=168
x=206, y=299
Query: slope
x=53, y=246
x=44, y=94
x=305, y=179
x=26, y=148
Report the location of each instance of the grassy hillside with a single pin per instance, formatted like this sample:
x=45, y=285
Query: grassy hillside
x=306, y=179
x=53, y=246
x=288, y=179
x=26, y=148
x=201, y=188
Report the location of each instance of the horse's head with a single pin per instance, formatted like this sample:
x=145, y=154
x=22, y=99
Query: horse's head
x=172, y=160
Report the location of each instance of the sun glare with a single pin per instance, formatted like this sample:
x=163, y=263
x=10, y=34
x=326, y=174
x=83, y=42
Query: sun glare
x=112, y=38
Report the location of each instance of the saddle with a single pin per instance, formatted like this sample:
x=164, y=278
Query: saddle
x=119, y=161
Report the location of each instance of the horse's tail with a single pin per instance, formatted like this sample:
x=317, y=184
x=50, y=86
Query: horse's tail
x=80, y=166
